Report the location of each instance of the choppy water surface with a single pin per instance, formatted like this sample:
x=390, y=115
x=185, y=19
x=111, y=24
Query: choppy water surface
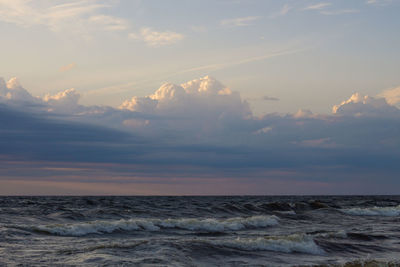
x=199, y=231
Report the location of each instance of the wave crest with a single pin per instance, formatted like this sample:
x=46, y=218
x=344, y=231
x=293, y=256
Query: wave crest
x=288, y=244
x=192, y=224
x=374, y=211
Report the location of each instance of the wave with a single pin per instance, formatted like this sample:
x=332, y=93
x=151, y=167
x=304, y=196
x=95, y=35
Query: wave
x=150, y=224
x=364, y=263
x=288, y=244
x=374, y=211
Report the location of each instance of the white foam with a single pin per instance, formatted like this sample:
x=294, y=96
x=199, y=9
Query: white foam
x=374, y=211
x=193, y=224
x=288, y=244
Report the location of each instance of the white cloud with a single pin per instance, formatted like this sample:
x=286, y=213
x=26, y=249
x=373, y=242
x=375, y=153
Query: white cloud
x=321, y=8
x=155, y=39
x=358, y=105
x=204, y=97
x=65, y=101
x=238, y=22
x=142, y=104
x=392, y=96
x=318, y=6
x=303, y=113
x=13, y=92
x=76, y=16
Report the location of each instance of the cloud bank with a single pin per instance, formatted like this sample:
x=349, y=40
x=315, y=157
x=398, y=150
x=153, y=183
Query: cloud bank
x=199, y=130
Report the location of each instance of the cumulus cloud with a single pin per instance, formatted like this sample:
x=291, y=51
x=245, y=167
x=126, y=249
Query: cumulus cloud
x=201, y=107
x=13, y=92
x=303, y=113
x=358, y=105
x=392, y=96
x=66, y=100
x=201, y=97
x=155, y=38
x=196, y=129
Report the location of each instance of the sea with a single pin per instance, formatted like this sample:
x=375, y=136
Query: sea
x=200, y=231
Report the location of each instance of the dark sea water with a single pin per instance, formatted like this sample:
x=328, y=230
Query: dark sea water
x=200, y=231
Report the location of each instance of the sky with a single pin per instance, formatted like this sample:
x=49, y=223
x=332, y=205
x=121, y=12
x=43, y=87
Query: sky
x=118, y=97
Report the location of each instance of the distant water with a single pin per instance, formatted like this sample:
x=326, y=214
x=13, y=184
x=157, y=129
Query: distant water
x=200, y=231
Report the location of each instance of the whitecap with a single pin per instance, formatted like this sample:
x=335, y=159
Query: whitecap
x=374, y=211
x=152, y=224
x=292, y=243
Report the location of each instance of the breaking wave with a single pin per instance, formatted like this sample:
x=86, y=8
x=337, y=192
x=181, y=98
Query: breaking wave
x=192, y=224
x=374, y=211
x=292, y=243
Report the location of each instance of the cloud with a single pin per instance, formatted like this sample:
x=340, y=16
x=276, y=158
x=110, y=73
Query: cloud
x=203, y=107
x=321, y=8
x=197, y=130
x=155, y=38
x=76, y=16
x=339, y=12
x=392, y=96
x=358, y=105
x=303, y=113
x=109, y=23
x=196, y=98
x=284, y=10
x=65, y=101
x=378, y=2
x=27, y=14
x=79, y=17
x=68, y=67
x=318, y=6
x=12, y=92
x=239, y=22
